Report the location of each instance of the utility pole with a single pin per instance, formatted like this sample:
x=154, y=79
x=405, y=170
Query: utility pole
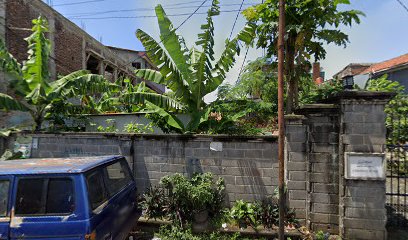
x=281, y=58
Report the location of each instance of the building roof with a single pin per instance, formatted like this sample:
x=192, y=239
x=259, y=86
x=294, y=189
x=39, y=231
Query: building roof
x=53, y=165
x=352, y=69
x=387, y=65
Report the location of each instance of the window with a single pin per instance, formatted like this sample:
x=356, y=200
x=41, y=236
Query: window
x=30, y=194
x=96, y=189
x=117, y=177
x=4, y=195
x=60, y=197
x=44, y=196
x=137, y=65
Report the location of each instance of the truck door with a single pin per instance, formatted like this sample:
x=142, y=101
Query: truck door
x=5, y=183
x=44, y=208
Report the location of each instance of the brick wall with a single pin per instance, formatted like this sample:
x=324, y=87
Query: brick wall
x=248, y=165
x=68, y=49
x=19, y=15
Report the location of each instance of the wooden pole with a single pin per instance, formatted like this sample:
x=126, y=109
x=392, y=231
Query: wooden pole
x=281, y=57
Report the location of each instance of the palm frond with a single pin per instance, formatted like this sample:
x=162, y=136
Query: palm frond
x=173, y=79
x=81, y=83
x=173, y=43
x=8, y=103
x=157, y=99
x=35, y=70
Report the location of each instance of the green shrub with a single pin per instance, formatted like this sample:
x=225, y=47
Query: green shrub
x=244, y=214
x=177, y=233
x=179, y=198
x=155, y=203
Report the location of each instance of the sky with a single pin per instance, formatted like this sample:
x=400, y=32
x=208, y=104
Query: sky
x=382, y=34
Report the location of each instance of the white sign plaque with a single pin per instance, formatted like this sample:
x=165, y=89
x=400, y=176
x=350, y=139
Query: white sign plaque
x=365, y=166
x=216, y=146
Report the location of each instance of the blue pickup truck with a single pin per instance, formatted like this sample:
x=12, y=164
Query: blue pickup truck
x=73, y=198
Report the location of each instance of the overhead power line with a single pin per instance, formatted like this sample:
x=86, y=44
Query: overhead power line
x=403, y=5
x=236, y=18
x=147, y=16
x=190, y=15
x=84, y=14
x=77, y=3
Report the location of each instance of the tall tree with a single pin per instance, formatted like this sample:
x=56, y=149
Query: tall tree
x=190, y=73
x=309, y=25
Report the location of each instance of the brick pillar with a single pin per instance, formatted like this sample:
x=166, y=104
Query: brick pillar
x=296, y=165
x=316, y=71
x=362, y=202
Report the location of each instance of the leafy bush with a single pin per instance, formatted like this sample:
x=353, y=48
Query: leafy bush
x=396, y=109
x=155, y=203
x=179, y=198
x=312, y=93
x=138, y=128
x=177, y=233
x=244, y=214
x=265, y=212
x=174, y=232
x=162, y=123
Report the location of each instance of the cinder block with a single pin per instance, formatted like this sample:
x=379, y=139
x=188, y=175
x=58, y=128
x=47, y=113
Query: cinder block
x=296, y=166
x=322, y=148
x=324, y=168
x=325, y=188
x=253, y=153
x=297, y=175
x=324, y=198
x=297, y=194
x=324, y=218
x=328, y=177
x=365, y=148
x=320, y=157
x=296, y=147
x=297, y=204
x=353, y=139
x=364, y=234
x=299, y=136
x=296, y=185
x=325, y=208
x=367, y=224
x=355, y=117
x=297, y=157
x=366, y=213
x=365, y=202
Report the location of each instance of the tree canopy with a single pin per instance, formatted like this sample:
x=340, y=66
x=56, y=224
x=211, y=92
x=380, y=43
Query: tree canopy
x=309, y=25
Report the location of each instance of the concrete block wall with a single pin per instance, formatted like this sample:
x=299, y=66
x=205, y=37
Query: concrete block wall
x=296, y=163
x=363, y=202
x=323, y=140
x=248, y=165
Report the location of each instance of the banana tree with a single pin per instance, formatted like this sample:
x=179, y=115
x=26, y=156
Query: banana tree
x=31, y=85
x=190, y=73
x=133, y=98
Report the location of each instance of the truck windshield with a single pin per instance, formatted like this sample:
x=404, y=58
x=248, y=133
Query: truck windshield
x=4, y=195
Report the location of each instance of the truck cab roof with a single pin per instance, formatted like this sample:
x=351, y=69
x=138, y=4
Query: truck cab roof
x=53, y=165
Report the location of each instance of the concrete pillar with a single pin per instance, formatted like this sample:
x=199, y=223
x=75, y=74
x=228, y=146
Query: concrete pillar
x=101, y=68
x=363, y=130
x=296, y=166
x=322, y=176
